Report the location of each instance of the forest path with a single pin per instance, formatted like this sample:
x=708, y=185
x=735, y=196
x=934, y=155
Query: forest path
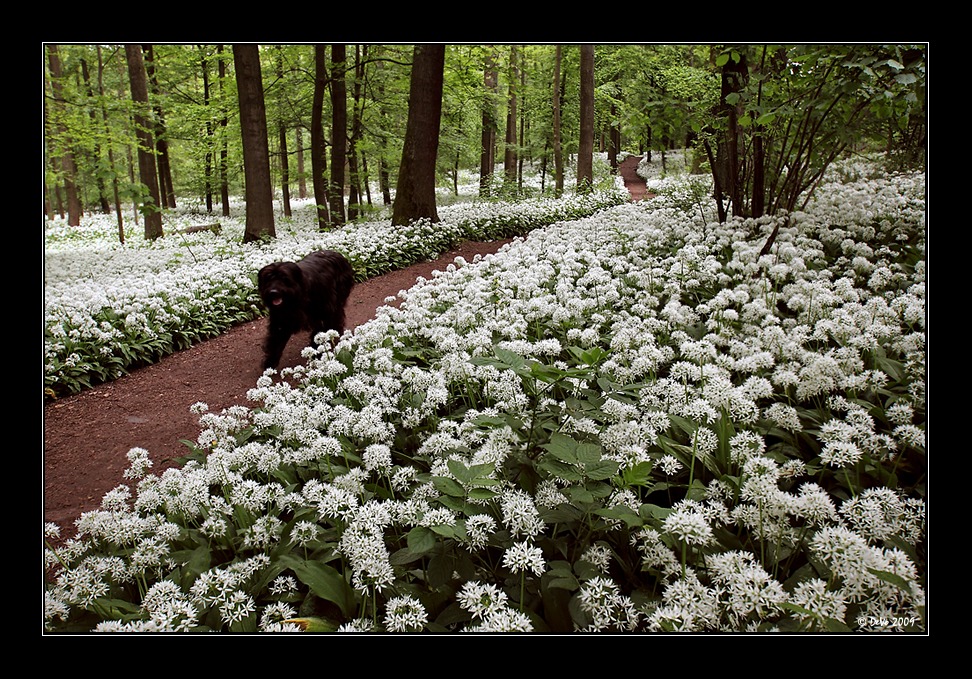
x=87, y=436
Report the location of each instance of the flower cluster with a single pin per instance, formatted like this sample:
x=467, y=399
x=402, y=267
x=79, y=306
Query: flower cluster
x=619, y=422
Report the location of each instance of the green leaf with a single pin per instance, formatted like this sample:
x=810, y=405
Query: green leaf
x=420, y=540
x=324, y=581
x=891, y=578
x=448, y=486
x=601, y=470
x=638, y=475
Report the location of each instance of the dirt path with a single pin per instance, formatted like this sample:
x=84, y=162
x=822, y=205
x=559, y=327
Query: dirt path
x=87, y=436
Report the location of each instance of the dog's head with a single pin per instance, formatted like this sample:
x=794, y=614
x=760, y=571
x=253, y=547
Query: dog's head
x=280, y=284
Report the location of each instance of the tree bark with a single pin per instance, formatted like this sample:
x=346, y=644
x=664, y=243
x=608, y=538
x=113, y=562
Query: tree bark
x=152, y=204
x=339, y=132
x=166, y=189
x=223, y=151
x=284, y=157
x=355, y=198
x=208, y=169
x=68, y=167
x=509, y=148
x=585, y=149
x=111, y=155
x=256, y=154
x=487, y=158
x=318, y=157
x=557, y=150
x=415, y=198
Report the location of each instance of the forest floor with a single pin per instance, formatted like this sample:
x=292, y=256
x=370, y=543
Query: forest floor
x=87, y=436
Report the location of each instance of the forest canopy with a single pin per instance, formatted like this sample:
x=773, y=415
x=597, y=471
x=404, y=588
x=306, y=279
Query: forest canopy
x=764, y=120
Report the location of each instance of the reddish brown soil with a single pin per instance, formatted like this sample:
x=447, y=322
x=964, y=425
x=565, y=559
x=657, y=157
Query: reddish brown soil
x=87, y=436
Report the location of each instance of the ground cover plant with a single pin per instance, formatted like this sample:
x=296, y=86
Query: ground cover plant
x=111, y=307
x=630, y=420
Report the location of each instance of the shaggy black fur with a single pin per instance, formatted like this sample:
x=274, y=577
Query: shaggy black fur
x=305, y=295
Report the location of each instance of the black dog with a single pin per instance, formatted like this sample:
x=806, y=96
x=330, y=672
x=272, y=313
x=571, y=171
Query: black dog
x=305, y=295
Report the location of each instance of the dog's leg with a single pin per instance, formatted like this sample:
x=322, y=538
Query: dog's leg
x=277, y=338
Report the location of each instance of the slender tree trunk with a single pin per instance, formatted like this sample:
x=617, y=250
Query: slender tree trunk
x=256, y=154
x=614, y=138
x=415, y=198
x=521, y=144
x=318, y=152
x=733, y=80
x=111, y=155
x=759, y=155
x=354, y=175
x=96, y=153
x=152, y=203
x=284, y=156
x=68, y=167
x=208, y=170
x=384, y=178
x=339, y=132
x=166, y=189
x=284, y=170
x=557, y=150
x=487, y=160
x=585, y=149
x=223, y=152
x=510, y=151
x=301, y=174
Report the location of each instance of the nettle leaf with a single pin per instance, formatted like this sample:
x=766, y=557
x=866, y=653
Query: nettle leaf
x=601, y=470
x=588, y=453
x=562, y=470
x=448, y=486
x=477, y=474
x=638, y=475
x=622, y=513
x=562, y=447
x=420, y=540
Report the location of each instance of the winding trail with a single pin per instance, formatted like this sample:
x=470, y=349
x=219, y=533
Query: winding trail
x=87, y=436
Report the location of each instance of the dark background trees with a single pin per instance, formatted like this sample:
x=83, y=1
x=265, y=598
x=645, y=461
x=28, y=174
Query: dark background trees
x=764, y=120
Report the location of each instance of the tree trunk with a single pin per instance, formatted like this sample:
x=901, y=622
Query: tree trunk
x=318, y=157
x=339, y=132
x=152, y=203
x=111, y=155
x=557, y=150
x=487, y=159
x=166, y=190
x=585, y=149
x=223, y=151
x=614, y=138
x=733, y=81
x=96, y=152
x=301, y=174
x=509, y=155
x=415, y=198
x=256, y=154
x=208, y=169
x=284, y=157
x=355, y=199
x=68, y=167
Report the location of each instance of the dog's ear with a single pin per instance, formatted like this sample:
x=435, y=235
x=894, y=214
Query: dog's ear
x=293, y=272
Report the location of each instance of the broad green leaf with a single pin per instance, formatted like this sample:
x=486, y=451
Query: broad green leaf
x=420, y=540
x=324, y=581
x=448, y=486
x=601, y=470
